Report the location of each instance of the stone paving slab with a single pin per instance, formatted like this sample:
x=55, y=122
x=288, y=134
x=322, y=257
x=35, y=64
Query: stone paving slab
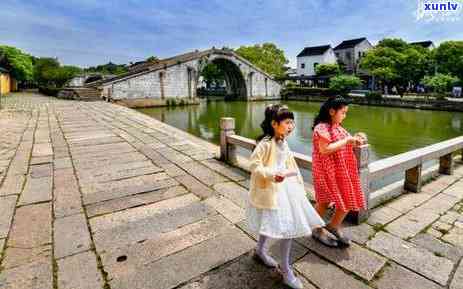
x=38, y=274
x=227, y=208
x=134, y=201
x=36, y=190
x=397, y=277
x=233, y=192
x=244, y=273
x=66, y=193
x=195, y=186
x=453, y=253
x=355, y=259
x=457, y=282
x=134, y=214
x=71, y=236
x=413, y=257
x=94, y=193
x=149, y=227
x=79, y=271
x=325, y=275
x=7, y=207
x=130, y=257
x=412, y=223
x=185, y=264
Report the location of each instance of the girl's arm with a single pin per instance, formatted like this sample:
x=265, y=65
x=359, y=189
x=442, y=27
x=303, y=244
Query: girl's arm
x=327, y=148
x=256, y=164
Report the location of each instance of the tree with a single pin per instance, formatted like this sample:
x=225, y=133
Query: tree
x=327, y=69
x=440, y=83
x=18, y=62
x=342, y=84
x=397, y=63
x=152, y=59
x=108, y=68
x=449, y=58
x=267, y=57
x=48, y=72
x=212, y=75
x=44, y=70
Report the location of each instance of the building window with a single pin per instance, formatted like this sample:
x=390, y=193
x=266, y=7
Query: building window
x=360, y=54
x=302, y=65
x=348, y=56
x=337, y=54
x=315, y=65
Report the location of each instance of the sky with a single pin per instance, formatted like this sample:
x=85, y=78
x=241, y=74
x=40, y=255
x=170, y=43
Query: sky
x=91, y=32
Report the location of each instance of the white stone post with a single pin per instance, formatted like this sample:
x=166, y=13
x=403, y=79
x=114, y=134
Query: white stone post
x=362, y=154
x=227, y=151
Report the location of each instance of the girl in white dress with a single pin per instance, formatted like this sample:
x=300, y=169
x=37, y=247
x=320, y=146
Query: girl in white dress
x=278, y=207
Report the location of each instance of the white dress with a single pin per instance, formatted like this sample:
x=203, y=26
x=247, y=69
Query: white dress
x=294, y=216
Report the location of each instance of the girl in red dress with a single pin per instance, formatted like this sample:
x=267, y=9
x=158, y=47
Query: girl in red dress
x=334, y=166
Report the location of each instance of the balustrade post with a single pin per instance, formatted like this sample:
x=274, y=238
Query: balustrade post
x=413, y=180
x=446, y=164
x=227, y=151
x=362, y=154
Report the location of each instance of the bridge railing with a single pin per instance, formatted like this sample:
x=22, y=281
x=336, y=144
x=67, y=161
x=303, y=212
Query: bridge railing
x=409, y=163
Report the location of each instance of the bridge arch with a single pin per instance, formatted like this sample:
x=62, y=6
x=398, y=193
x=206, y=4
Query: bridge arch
x=234, y=77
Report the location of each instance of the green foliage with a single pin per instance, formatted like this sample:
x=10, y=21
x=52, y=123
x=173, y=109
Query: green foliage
x=152, y=59
x=212, y=75
x=328, y=69
x=449, y=58
x=342, y=84
x=267, y=57
x=395, y=62
x=440, y=83
x=18, y=62
x=109, y=68
x=374, y=95
x=49, y=73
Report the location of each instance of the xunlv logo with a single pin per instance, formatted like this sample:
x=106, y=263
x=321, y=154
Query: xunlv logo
x=439, y=10
x=441, y=7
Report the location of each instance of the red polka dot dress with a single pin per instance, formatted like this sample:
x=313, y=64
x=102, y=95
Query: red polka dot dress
x=335, y=176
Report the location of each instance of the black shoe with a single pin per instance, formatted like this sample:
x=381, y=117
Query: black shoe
x=343, y=241
x=324, y=239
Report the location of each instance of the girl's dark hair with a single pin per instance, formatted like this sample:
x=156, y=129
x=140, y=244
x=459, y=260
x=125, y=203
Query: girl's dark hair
x=335, y=103
x=274, y=112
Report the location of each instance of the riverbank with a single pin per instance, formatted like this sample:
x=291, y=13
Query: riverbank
x=424, y=104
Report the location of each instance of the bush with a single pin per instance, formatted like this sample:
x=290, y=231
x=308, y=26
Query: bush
x=342, y=84
x=374, y=95
x=440, y=83
x=50, y=91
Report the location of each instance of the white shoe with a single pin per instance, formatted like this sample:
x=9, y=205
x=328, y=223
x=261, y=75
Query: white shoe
x=265, y=259
x=292, y=281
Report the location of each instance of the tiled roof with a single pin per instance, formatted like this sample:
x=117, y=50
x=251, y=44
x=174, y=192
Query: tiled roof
x=425, y=44
x=349, y=43
x=314, y=50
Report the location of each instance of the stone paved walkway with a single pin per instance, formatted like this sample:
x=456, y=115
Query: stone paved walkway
x=94, y=195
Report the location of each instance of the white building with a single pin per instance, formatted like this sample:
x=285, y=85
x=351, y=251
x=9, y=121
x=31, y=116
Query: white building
x=310, y=57
x=350, y=52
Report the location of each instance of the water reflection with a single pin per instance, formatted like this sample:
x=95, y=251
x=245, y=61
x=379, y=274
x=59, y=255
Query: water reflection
x=390, y=130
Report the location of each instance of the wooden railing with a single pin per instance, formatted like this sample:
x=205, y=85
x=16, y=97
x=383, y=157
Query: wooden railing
x=410, y=162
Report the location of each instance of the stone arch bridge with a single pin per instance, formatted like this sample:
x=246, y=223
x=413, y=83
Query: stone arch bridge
x=177, y=78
